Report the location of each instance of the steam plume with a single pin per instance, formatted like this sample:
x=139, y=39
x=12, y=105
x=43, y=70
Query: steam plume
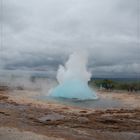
x=73, y=79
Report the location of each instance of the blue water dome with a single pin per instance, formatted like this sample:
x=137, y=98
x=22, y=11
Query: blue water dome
x=74, y=89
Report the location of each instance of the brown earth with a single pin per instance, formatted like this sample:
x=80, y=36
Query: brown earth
x=69, y=123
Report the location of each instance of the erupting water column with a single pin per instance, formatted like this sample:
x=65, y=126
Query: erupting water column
x=73, y=79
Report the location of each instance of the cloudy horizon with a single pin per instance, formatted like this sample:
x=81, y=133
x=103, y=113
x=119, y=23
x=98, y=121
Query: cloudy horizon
x=40, y=34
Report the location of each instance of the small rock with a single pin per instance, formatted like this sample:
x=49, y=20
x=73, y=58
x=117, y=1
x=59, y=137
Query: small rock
x=51, y=117
x=83, y=111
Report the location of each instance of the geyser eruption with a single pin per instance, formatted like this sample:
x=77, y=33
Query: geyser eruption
x=73, y=79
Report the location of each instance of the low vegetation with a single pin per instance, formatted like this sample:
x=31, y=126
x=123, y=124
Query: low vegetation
x=131, y=85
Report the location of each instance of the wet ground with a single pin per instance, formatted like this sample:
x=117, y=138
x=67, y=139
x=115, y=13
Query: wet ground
x=101, y=103
x=51, y=120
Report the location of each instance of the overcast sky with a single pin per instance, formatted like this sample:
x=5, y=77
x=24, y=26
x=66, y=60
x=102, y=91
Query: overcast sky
x=40, y=34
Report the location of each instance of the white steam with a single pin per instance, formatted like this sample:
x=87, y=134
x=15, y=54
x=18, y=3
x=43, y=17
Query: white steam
x=75, y=67
x=73, y=79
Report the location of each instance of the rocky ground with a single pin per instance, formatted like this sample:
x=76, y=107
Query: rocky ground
x=22, y=119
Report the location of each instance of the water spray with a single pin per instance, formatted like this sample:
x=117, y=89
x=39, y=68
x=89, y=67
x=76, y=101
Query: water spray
x=73, y=79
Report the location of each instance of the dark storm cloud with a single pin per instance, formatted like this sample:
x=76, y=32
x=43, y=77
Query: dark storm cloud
x=41, y=34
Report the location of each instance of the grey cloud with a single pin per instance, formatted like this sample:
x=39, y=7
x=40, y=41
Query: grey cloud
x=12, y=16
x=41, y=34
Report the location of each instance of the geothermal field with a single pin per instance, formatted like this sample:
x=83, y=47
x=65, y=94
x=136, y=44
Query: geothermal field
x=69, y=69
x=70, y=107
